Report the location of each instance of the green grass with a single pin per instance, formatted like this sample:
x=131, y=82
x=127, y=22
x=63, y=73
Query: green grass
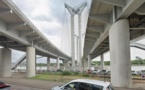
x=63, y=78
x=60, y=77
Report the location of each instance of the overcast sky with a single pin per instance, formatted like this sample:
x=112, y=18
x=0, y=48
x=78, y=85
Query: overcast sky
x=52, y=19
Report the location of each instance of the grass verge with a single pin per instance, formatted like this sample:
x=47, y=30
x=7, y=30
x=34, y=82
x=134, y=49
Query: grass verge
x=63, y=78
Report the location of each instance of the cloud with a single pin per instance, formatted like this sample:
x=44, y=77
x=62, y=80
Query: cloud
x=49, y=16
x=48, y=28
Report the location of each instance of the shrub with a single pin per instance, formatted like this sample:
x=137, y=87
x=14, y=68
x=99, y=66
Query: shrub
x=86, y=75
x=65, y=73
x=76, y=73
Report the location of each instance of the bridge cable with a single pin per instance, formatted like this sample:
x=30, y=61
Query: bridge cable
x=63, y=22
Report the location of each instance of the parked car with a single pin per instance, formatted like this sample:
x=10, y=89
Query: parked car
x=102, y=72
x=142, y=72
x=134, y=73
x=4, y=86
x=59, y=70
x=85, y=84
x=107, y=73
x=89, y=71
x=139, y=72
x=95, y=71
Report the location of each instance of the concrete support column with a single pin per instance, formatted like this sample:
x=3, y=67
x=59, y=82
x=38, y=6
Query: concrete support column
x=80, y=40
x=65, y=64
x=86, y=64
x=30, y=62
x=72, y=42
x=120, y=54
x=5, y=62
x=89, y=62
x=58, y=66
x=102, y=62
x=48, y=63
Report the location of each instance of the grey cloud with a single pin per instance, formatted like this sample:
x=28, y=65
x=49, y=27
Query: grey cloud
x=51, y=32
x=43, y=18
x=22, y=6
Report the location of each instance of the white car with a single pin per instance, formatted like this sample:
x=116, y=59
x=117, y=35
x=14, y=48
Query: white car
x=134, y=73
x=85, y=84
x=95, y=71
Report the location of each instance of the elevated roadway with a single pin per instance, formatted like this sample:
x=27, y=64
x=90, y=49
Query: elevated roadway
x=103, y=14
x=112, y=26
x=17, y=32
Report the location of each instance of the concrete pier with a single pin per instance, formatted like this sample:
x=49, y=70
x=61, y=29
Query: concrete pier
x=5, y=62
x=58, y=66
x=120, y=54
x=102, y=62
x=48, y=63
x=30, y=62
x=89, y=61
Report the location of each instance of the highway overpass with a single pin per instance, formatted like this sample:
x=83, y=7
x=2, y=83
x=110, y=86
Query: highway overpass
x=17, y=32
x=112, y=25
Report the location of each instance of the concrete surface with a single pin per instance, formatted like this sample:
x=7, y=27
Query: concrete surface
x=120, y=54
x=19, y=87
x=19, y=83
x=30, y=61
x=5, y=62
x=41, y=84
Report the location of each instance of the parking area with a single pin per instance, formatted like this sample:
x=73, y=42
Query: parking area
x=19, y=83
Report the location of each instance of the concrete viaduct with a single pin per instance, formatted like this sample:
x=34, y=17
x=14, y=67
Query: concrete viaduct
x=113, y=25
x=17, y=32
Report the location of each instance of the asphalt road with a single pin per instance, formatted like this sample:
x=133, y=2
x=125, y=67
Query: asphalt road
x=19, y=83
x=18, y=87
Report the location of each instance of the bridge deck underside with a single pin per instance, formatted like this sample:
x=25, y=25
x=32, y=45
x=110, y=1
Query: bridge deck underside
x=19, y=32
x=99, y=22
x=9, y=43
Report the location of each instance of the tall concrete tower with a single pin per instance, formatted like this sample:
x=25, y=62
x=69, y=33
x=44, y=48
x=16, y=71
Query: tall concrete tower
x=79, y=12
x=73, y=12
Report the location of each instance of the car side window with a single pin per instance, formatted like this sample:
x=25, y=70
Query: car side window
x=84, y=86
x=97, y=87
x=71, y=86
x=110, y=87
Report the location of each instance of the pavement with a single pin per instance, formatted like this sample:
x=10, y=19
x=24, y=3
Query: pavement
x=21, y=83
x=18, y=87
x=40, y=84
